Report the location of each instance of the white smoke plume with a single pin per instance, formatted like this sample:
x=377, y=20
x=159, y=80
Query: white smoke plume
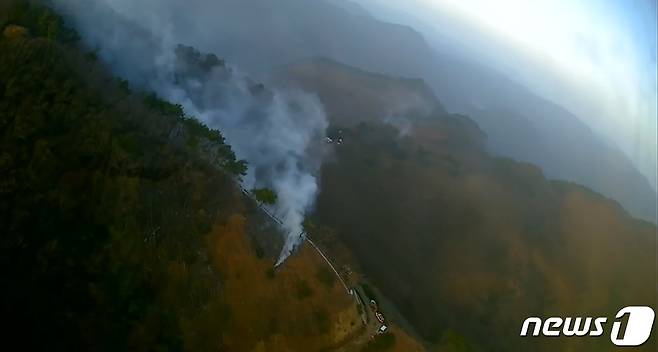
x=401, y=123
x=273, y=130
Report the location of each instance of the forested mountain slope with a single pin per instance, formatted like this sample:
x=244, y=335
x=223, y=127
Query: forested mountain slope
x=468, y=245
x=123, y=228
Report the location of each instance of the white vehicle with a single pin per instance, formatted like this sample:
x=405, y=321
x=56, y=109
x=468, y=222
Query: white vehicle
x=380, y=317
x=382, y=329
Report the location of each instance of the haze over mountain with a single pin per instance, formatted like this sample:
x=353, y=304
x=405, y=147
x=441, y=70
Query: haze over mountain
x=596, y=58
x=518, y=123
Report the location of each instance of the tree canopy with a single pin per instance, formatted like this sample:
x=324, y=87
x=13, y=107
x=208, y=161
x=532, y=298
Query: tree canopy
x=264, y=195
x=89, y=255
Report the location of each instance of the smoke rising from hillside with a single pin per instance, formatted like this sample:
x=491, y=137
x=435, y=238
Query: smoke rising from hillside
x=273, y=130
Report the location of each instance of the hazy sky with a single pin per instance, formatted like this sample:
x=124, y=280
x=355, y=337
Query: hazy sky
x=597, y=58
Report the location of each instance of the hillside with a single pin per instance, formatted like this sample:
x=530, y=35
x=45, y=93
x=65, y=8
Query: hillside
x=465, y=244
x=123, y=226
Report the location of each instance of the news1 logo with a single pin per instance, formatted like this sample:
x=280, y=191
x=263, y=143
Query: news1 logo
x=631, y=326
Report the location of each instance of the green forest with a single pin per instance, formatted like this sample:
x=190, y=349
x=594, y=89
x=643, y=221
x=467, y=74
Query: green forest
x=86, y=165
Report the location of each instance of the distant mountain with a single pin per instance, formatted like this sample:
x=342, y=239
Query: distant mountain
x=467, y=245
x=518, y=123
x=351, y=96
x=351, y=6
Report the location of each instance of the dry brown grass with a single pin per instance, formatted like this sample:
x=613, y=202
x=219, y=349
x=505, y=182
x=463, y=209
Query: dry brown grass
x=267, y=313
